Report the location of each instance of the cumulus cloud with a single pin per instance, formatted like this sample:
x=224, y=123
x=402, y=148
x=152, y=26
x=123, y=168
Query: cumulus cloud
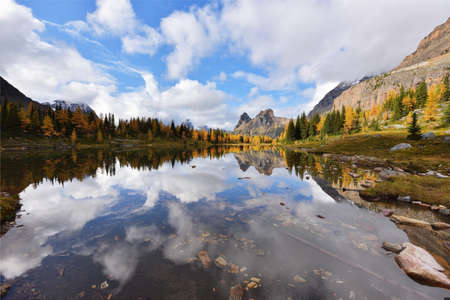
x=329, y=40
x=44, y=70
x=193, y=35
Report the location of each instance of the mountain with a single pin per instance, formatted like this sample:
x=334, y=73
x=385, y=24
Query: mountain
x=326, y=103
x=263, y=161
x=243, y=119
x=264, y=123
x=429, y=63
x=437, y=43
x=12, y=94
x=187, y=123
x=70, y=106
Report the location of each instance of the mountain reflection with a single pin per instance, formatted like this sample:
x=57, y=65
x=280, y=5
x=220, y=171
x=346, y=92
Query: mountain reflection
x=138, y=219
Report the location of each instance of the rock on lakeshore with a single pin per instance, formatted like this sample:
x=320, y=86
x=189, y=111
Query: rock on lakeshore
x=421, y=266
x=401, y=146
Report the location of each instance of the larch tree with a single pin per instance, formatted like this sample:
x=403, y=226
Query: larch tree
x=47, y=126
x=431, y=105
x=348, y=123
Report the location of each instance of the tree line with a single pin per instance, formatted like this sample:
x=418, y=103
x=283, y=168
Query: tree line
x=17, y=120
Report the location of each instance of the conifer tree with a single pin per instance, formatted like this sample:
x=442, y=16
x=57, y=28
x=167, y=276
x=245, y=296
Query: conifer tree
x=432, y=103
x=298, y=129
x=47, y=126
x=73, y=137
x=446, y=116
x=446, y=92
x=414, y=129
x=421, y=94
x=290, y=131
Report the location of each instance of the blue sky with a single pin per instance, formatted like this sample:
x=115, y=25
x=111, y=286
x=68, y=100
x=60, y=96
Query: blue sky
x=205, y=60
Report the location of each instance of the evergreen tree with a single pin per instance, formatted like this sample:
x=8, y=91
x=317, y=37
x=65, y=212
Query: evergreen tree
x=421, y=94
x=304, y=126
x=446, y=116
x=298, y=129
x=414, y=129
x=398, y=109
x=446, y=94
x=290, y=132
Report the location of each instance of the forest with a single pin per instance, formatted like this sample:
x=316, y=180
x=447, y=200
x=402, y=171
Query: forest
x=398, y=105
x=79, y=126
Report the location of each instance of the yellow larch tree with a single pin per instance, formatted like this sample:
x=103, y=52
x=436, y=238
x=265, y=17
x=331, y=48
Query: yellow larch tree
x=431, y=106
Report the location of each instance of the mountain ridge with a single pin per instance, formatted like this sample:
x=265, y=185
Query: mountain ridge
x=264, y=123
x=430, y=62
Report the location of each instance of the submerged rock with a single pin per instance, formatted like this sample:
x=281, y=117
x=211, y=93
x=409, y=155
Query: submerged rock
x=220, y=262
x=401, y=146
x=396, y=248
x=204, y=258
x=421, y=266
x=4, y=289
x=387, y=212
x=236, y=292
x=299, y=279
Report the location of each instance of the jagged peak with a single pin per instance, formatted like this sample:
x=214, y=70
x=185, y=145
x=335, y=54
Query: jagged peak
x=268, y=113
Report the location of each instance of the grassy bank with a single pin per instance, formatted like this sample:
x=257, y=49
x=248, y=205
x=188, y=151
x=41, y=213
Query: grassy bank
x=427, y=189
x=424, y=154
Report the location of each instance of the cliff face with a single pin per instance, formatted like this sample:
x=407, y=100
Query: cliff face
x=429, y=63
x=374, y=91
x=264, y=123
x=326, y=104
x=437, y=43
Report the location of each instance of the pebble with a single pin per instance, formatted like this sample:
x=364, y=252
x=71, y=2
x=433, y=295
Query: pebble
x=299, y=279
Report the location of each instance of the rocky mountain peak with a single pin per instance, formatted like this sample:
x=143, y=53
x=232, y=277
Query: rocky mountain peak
x=243, y=119
x=266, y=114
x=264, y=123
x=435, y=44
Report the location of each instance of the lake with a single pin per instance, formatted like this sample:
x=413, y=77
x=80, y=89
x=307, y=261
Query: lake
x=198, y=224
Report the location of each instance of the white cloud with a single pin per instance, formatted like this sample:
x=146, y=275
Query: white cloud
x=146, y=43
x=38, y=68
x=329, y=40
x=114, y=16
x=221, y=77
x=255, y=105
x=318, y=93
x=193, y=36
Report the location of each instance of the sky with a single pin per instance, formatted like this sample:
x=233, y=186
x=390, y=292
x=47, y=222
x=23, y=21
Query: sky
x=207, y=61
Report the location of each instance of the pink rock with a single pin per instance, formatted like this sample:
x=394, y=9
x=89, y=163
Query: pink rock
x=418, y=264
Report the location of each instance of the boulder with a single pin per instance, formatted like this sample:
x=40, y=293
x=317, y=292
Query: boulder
x=410, y=221
x=401, y=146
x=404, y=198
x=440, y=226
x=428, y=135
x=204, y=258
x=396, y=248
x=418, y=264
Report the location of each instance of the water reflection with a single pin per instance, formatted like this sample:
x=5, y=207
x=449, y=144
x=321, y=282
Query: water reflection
x=136, y=220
